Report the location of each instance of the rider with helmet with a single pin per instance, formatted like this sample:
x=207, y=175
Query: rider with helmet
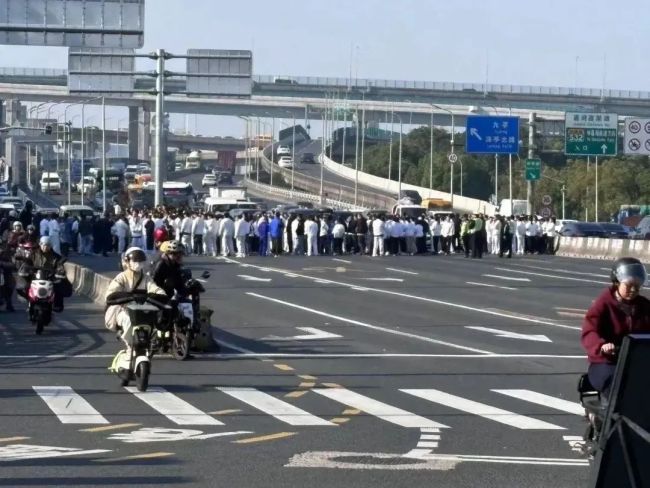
x=160, y=235
x=132, y=278
x=166, y=271
x=15, y=235
x=45, y=258
x=618, y=311
x=30, y=235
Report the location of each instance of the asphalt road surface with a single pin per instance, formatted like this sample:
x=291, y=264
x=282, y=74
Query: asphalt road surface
x=358, y=371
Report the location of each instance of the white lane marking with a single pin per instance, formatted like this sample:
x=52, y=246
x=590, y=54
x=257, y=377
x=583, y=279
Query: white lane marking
x=69, y=406
x=342, y=260
x=545, y=400
x=254, y=278
x=369, y=326
x=490, y=286
x=378, y=409
x=544, y=275
x=157, y=434
x=427, y=443
x=562, y=270
x=312, y=335
x=483, y=311
x=400, y=280
x=576, y=443
x=425, y=462
x=21, y=452
x=581, y=310
x=402, y=271
x=482, y=410
x=511, y=335
x=283, y=411
x=174, y=408
x=508, y=278
x=321, y=282
x=562, y=313
x=291, y=275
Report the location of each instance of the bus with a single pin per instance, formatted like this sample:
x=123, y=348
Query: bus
x=178, y=194
x=114, y=179
x=223, y=205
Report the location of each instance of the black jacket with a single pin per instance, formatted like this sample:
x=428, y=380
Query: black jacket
x=167, y=275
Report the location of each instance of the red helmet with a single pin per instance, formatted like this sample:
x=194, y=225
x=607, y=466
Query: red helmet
x=160, y=235
x=28, y=245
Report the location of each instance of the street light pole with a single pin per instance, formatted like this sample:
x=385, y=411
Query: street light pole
x=431, y=154
x=451, y=142
x=399, y=159
x=390, y=148
x=596, y=216
x=293, y=150
x=103, y=155
x=356, y=155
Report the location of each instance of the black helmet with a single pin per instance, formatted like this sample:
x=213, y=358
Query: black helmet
x=627, y=270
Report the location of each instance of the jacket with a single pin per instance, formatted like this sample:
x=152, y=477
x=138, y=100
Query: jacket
x=607, y=320
x=275, y=228
x=167, y=276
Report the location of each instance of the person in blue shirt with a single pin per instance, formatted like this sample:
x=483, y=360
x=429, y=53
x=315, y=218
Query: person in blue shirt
x=263, y=231
x=276, y=228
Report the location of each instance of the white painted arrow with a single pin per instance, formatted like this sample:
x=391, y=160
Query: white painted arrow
x=313, y=334
x=384, y=279
x=254, y=278
x=512, y=335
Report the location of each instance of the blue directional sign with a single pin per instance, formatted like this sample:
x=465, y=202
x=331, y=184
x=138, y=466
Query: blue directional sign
x=488, y=134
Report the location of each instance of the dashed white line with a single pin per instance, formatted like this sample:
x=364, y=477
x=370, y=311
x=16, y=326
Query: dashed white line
x=342, y=260
x=508, y=278
x=402, y=271
x=552, y=276
x=490, y=286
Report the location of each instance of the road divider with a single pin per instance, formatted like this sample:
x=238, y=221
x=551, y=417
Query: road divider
x=603, y=248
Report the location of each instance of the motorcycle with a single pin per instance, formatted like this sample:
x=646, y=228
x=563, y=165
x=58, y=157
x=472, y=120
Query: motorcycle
x=40, y=295
x=145, y=316
x=185, y=323
x=591, y=401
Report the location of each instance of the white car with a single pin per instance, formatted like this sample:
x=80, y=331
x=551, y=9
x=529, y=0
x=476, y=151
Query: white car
x=88, y=185
x=209, y=180
x=285, y=162
x=283, y=151
x=50, y=183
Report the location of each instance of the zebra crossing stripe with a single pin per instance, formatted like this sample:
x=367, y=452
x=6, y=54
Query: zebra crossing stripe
x=175, y=409
x=545, y=400
x=381, y=410
x=482, y=410
x=69, y=406
x=283, y=411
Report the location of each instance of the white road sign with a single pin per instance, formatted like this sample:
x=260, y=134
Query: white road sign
x=453, y=157
x=637, y=137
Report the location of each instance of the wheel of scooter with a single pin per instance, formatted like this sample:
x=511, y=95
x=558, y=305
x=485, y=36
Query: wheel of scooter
x=181, y=345
x=142, y=376
x=124, y=382
x=39, y=327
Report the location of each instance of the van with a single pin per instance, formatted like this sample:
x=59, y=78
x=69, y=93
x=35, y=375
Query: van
x=50, y=183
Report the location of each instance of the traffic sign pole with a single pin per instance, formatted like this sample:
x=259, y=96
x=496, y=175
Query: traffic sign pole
x=596, y=216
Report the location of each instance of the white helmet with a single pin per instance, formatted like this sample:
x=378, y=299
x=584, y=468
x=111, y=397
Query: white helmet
x=45, y=241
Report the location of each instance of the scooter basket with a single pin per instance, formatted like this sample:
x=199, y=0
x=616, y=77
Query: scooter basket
x=143, y=314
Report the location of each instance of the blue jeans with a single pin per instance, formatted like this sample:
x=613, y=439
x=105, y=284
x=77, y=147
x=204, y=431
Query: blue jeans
x=601, y=376
x=264, y=243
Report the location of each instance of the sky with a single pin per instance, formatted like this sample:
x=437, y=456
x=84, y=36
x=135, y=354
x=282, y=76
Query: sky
x=592, y=43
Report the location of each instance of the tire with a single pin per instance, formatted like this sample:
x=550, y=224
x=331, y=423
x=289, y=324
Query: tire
x=39, y=327
x=142, y=376
x=181, y=344
x=124, y=382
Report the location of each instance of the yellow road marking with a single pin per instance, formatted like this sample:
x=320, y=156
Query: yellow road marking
x=351, y=411
x=13, y=439
x=225, y=412
x=109, y=427
x=307, y=377
x=283, y=367
x=151, y=455
x=263, y=438
x=332, y=385
x=295, y=394
x=307, y=384
x=339, y=420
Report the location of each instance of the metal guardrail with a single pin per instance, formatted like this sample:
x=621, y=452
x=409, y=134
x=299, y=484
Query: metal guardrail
x=331, y=191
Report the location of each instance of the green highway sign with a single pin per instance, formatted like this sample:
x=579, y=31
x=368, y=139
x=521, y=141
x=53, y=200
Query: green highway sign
x=590, y=134
x=533, y=169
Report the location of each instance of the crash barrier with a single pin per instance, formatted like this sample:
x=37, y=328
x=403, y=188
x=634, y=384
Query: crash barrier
x=93, y=285
x=39, y=199
x=334, y=191
x=461, y=204
x=603, y=248
x=293, y=195
x=623, y=452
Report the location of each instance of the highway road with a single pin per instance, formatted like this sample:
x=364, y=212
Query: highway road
x=354, y=371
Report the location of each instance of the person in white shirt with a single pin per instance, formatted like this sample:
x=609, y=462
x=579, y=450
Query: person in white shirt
x=447, y=232
x=338, y=233
x=242, y=229
x=323, y=233
x=520, y=234
x=227, y=233
x=531, y=236
x=121, y=231
x=388, y=223
x=550, y=231
x=436, y=233
x=311, y=231
x=420, y=241
x=210, y=236
x=409, y=231
x=198, y=232
x=395, y=236
x=297, y=247
x=378, y=227
x=495, y=236
x=54, y=231
x=117, y=210
x=136, y=228
x=44, y=226
x=186, y=233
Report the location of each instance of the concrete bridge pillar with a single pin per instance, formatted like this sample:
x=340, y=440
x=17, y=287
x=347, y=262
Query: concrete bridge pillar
x=133, y=132
x=12, y=114
x=144, y=134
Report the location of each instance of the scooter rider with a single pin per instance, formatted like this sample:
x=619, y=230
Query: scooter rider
x=45, y=258
x=617, y=312
x=166, y=271
x=132, y=278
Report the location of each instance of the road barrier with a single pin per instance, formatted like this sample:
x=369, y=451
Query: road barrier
x=603, y=248
x=87, y=282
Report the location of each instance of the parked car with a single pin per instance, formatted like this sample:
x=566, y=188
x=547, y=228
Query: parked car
x=285, y=162
x=307, y=158
x=283, y=151
x=224, y=179
x=582, y=229
x=615, y=231
x=209, y=180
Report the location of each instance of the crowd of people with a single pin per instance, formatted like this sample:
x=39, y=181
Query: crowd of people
x=298, y=233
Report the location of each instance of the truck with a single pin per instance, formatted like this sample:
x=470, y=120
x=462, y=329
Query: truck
x=199, y=159
x=229, y=192
x=514, y=207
